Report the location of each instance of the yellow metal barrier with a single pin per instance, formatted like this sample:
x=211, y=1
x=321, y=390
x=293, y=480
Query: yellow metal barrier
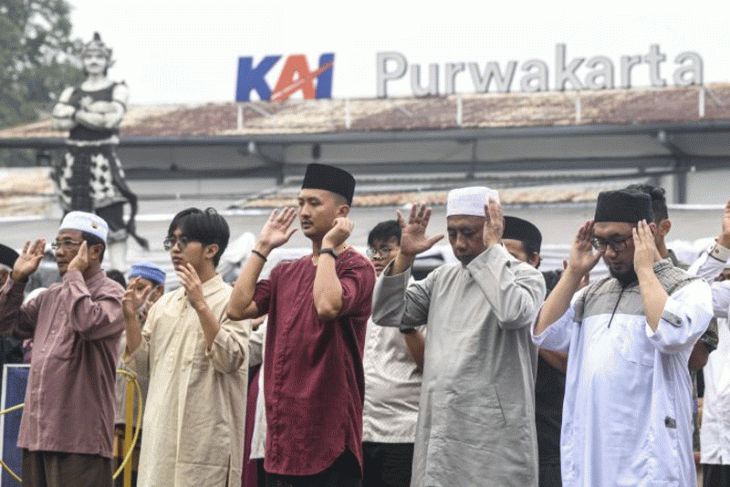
x=128, y=445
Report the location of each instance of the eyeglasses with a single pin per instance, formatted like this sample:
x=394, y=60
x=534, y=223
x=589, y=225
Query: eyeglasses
x=617, y=245
x=65, y=244
x=170, y=242
x=383, y=250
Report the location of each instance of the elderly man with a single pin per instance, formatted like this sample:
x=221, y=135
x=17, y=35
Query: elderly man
x=476, y=424
x=68, y=423
x=627, y=413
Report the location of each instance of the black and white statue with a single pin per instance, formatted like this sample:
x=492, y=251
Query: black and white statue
x=91, y=177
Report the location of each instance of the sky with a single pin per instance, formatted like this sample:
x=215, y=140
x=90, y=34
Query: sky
x=186, y=51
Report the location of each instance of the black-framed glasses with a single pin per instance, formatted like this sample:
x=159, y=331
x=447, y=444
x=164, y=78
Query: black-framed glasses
x=617, y=245
x=170, y=242
x=67, y=244
x=383, y=250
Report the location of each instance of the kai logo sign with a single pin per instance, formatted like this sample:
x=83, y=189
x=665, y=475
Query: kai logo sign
x=295, y=76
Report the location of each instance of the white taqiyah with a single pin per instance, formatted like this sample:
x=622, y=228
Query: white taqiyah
x=85, y=222
x=469, y=201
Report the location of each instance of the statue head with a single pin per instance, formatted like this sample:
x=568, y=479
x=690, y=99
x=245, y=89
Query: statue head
x=96, y=47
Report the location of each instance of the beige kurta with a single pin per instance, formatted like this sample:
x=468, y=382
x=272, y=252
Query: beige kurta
x=193, y=427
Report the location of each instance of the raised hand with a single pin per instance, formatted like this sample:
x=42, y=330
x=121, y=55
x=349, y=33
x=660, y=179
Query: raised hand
x=582, y=256
x=81, y=260
x=135, y=296
x=191, y=282
x=413, y=239
x=645, y=251
x=494, y=223
x=276, y=231
x=28, y=260
x=724, y=238
x=339, y=233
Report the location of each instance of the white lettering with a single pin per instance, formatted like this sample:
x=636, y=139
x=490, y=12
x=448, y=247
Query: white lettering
x=536, y=78
x=687, y=75
x=601, y=76
x=563, y=73
x=597, y=73
x=382, y=73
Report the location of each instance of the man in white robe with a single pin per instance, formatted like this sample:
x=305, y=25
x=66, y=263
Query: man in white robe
x=627, y=412
x=476, y=423
x=715, y=432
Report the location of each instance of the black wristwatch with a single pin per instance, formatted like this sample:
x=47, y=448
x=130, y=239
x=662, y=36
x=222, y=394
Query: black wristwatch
x=407, y=330
x=328, y=250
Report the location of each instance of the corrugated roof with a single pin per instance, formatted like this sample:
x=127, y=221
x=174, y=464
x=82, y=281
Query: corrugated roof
x=633, y=106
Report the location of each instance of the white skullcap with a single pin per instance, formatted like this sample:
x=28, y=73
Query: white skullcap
x=469, y=201
x=85, y=222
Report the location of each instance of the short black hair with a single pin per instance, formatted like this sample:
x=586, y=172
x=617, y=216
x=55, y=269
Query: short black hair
x=92, y=239
x=658, y=200
x=206, y=227
x=530, y=248
x=384, y=231
x=116, y=275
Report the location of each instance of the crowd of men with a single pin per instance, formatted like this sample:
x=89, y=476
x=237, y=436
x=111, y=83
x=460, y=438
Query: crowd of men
x=487, y=372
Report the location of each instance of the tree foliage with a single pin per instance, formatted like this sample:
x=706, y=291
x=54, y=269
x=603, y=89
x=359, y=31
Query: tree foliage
x=37, y=57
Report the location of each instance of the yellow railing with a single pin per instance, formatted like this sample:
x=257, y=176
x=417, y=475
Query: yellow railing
x=129, y=442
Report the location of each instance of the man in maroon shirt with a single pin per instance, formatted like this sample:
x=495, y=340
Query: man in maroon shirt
x=318, y=308
x=67, y=426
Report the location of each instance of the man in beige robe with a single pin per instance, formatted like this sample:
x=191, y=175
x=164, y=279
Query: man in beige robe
x=197, y=363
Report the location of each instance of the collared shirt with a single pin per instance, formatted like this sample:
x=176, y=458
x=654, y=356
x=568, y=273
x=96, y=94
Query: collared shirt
x=627, y=413
x=476, y=424
x=715, y=430
x=313, y=376
x=76, y=326
x=392, y=387
x=193, y=427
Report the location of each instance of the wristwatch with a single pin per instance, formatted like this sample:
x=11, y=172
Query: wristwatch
x=407, y=330
x=328, y=250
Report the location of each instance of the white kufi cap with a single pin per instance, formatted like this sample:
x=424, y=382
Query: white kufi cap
x=85, y=222
x=469, y=201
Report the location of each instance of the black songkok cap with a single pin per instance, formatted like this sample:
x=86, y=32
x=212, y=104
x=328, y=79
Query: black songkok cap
x=623, y=205
x=522, y=230
x=7, y=256
x=321, y=176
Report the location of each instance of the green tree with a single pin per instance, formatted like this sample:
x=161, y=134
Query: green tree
x=37, y=57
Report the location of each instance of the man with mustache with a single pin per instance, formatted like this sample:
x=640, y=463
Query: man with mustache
x=476, y=423
x=318, y=307
x=68, y=421
x=627, y=413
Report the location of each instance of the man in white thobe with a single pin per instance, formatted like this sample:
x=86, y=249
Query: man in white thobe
x=627, y=412
x=476, y=423
x=715, y=431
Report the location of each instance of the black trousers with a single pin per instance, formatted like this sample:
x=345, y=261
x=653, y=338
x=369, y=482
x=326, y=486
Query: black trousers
x=715, y=475
x=387, y=464
x=56, y=469
x=344, y=472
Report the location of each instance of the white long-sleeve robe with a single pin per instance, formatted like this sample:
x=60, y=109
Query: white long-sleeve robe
x=627, y=412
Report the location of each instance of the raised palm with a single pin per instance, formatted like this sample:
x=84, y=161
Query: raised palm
x=277, y=229
x=582, y=255
x=724, y=238
x=413, y=239
x=29, y=259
